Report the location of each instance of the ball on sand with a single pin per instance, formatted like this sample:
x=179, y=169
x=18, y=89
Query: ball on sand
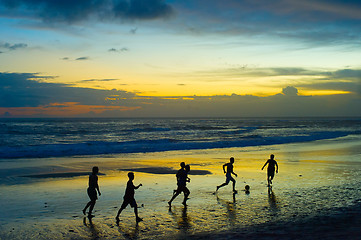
x=246, y=187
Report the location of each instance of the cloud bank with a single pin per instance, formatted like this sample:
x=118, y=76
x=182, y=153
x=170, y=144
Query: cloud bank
x=27, y=95
x=314, y=22
x=347, y=80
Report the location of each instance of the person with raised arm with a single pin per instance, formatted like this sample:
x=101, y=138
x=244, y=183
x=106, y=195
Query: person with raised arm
x=272, y=166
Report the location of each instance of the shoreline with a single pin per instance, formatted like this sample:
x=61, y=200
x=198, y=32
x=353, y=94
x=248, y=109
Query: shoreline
x=80, y=165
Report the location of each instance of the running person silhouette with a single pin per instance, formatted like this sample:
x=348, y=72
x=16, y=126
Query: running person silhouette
x=129, y=198
x=182, y=179
x=92, y=191
x=229, y=173
x=271, y=169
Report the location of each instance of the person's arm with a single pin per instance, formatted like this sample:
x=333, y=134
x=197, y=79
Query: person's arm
x=235, y=174
x=224, y=165
x=136, y=187
x=179, y=174
x=276, y=167
x=264, y=165
x=97, y=186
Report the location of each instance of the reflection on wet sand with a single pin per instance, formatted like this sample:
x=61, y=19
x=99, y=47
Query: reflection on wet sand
x=231, y=208
x=183, y=221
x=272, y=200
x=129, y=233
x=92, y=228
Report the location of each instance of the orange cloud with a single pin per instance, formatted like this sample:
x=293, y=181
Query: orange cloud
x=62, y=109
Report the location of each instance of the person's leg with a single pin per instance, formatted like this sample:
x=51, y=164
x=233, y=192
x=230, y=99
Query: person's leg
x=270, y=176
x=136, y=211
x=233, y=184
x=119, y=212
x=93, y=197
x=186, y=194
x=92, y=204
x=224, y=184
x=124, y=205
x=268, y=180
x=137, y=218
x=174, y=195
x=87, y=205
x=135, y=206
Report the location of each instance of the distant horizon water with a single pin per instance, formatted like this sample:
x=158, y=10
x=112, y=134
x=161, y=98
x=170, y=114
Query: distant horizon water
x=59, y=137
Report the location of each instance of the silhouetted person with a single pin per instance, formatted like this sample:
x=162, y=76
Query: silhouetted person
x=229, y=173
x=129, y=198
x=272, y=165
x=179, y=173
x=182, y=179
x=92, y=191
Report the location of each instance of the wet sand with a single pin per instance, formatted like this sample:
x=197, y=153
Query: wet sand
x=316, y=195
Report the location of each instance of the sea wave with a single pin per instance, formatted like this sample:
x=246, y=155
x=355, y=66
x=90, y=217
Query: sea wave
x=156, y=145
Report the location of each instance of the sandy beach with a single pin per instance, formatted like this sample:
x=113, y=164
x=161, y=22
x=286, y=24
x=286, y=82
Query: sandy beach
x=315, y=195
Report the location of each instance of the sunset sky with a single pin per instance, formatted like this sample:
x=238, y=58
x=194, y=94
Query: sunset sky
x=189, y=58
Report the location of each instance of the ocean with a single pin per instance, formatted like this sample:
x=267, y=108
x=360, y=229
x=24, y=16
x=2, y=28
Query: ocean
x=44, y=167
x=42, y=138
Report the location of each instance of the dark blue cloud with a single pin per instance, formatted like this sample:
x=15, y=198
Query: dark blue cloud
x=313, y=22
x=341, y=80
x=290, y=91
x=70, y=11
x=346, y=74
x=124, y=49
x=82, y=58
x=316, y=22
x=76, y=59
x=12, y=47
x=142, y=9
x=29, y=90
